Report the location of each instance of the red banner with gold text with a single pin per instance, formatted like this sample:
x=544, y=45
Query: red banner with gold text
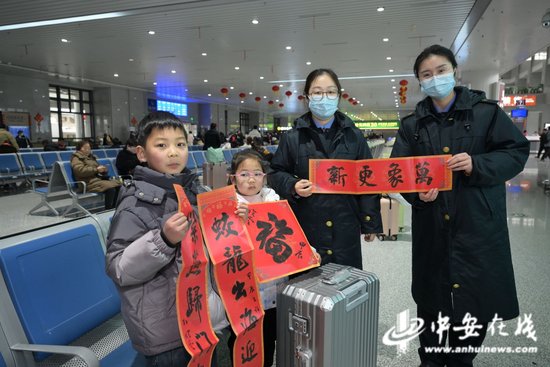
x=233, y=259
x=280, y=245
x=376, y=176
x=196, y=331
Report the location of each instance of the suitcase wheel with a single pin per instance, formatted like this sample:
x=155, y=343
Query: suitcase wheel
x=382, y=237
x=394, y=237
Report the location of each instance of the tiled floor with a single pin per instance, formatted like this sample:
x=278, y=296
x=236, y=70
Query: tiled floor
x=529, y=226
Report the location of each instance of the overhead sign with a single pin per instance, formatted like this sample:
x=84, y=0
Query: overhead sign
x=377, y=125
x=521, y=100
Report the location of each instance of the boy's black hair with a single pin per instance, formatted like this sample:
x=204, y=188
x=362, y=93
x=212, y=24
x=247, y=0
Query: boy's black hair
x=434, y=50
x=318, y=72
x=157, y=120
x=243, y=155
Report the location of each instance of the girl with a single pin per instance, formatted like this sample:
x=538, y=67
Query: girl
x=247, y=173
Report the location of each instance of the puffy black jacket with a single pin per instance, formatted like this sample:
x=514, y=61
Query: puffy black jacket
x=332, y=223
x=460, y=247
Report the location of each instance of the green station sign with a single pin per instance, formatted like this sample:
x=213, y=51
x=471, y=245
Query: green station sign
x=377, y=125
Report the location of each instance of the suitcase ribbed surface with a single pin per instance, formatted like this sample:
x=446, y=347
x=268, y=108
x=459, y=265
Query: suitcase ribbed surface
x=322, y=325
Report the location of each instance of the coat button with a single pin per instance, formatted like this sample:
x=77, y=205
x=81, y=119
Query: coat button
x=456, y=286
x=155, y=199
x=141, y=194
x=446, y=150
x=367, y=218
x=329, y=223
x=446, y=217
x=329, y=252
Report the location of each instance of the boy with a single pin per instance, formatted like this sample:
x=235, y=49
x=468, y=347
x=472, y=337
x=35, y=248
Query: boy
x=143, y=249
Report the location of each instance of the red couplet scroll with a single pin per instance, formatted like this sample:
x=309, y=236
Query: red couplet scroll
x=280, y=245
x=194, y=324
x=376, y=176
x=232, y=255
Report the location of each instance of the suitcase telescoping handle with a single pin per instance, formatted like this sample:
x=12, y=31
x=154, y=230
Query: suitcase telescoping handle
x=355, y=293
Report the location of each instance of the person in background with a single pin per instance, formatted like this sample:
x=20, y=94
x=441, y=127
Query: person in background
x=248, y=143
x=107, y=140
x=190, y=139
x=247, y=173
x=8, y=144
x=333, y=223
x=61, y=144
x=212, y=138
x=95, y=175
x=22, y=140
x=126, y=159
x=543, y=138
x=145, y=241
x=258, y=145
x=48, y=146
x=461, y=260
x=255, y=133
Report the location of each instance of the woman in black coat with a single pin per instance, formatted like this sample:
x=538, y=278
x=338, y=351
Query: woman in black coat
x=333, y=223
x=461, y=261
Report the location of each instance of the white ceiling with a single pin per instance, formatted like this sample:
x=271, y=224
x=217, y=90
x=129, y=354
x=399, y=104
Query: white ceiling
x=343, y=35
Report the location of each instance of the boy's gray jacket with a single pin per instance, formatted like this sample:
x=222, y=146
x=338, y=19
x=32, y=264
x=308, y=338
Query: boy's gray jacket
x=144, y=267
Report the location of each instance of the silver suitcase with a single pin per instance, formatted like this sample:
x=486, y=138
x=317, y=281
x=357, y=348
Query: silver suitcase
x=328, y=317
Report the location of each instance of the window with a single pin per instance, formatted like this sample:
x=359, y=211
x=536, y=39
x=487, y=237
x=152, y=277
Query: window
x=71, y=113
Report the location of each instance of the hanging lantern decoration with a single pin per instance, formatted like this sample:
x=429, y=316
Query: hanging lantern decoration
x=300, y=97
x=288, y=93
x=345, y=96
x=242, y=95
x=270, y=103
x=134, y=121
x=39, y=118
x=281, y=105
x=403, y=82
x=275, y=89
x=355, y=103
x=224, y=91
x=350, y=100
x=257, y=99
x=403, y=91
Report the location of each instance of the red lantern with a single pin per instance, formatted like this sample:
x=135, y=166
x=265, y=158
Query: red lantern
x=350, y=100
x=355, y=103
x=257, y=99
x=281, y=105
x=134, y=121
x=288, y=93
x=275, y=89
x=270, y=103
x=403, y=82
x=242, y=95
x=224, y=91
x=345, y=96
x=300, y=97
x=404, y=89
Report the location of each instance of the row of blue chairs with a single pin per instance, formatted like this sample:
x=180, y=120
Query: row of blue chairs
x=16, y=167
x=57, y=305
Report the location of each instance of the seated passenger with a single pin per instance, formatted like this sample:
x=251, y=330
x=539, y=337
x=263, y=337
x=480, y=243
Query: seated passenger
x=127, y=160
x=86, y=168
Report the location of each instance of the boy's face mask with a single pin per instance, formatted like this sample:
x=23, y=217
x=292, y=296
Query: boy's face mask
x=438, y=86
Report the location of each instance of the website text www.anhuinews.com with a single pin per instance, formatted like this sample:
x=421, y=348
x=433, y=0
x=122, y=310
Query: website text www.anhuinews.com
x=482, y=349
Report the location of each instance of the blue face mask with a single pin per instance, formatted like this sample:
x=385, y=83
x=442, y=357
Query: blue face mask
x=323, y=109
x=438, y=86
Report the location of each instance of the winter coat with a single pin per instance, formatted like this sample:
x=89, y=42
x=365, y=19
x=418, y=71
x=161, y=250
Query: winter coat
x=143, y=267
x=85, y=169
x=333, y=223
x=461, y=259
x=212, y=139
x=126, y=162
